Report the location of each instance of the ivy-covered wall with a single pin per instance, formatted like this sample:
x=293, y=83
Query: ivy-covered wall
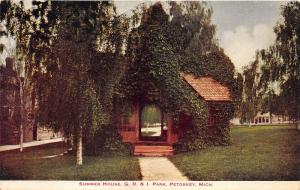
x=153, y=75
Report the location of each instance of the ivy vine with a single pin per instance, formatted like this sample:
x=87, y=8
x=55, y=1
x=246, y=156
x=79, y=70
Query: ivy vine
x=154, y=76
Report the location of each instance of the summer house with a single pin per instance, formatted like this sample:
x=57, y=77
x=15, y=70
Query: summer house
x=153, y=132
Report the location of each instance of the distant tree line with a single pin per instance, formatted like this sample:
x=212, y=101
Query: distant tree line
x=272, y=80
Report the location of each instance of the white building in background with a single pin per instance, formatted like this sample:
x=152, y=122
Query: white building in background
x=235, y=121
x=265, y=118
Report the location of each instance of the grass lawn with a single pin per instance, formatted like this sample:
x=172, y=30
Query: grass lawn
x=256, y=153
x=32, y=165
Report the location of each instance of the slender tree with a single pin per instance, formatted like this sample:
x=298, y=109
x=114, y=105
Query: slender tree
x=68, y=48
x=287, y=45
x=85, y=36
x=249, y=107
x=278, y=86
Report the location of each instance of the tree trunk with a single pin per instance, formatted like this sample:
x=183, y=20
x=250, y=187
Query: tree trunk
x=21, y=116
x=249, y=121
x=79, y=147
x=21, y=137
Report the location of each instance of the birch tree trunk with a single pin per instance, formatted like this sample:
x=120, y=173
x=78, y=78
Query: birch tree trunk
x=79, y=146
x=21, y=116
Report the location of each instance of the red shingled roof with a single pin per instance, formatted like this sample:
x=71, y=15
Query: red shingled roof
x=208, y=88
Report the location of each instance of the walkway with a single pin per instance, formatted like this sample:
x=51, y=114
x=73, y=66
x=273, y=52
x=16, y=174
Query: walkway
x=160, y=169
x=29, y=144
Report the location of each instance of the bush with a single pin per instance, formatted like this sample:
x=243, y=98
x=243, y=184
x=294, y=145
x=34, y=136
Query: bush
x=106, y=141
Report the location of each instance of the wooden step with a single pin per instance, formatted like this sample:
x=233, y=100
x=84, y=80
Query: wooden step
x=152, y=143
x=144, y=150
x=147, y=154
x=151, y=150
x=154, y=147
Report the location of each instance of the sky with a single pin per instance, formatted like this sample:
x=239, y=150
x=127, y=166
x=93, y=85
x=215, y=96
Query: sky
x=245, y=26
x=242, y=26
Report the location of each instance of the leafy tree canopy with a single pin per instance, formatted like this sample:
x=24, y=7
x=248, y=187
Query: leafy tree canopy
x=274, y=75
x=68, y=48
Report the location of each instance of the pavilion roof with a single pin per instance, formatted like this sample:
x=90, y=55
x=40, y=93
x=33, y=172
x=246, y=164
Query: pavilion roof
x=208, y=88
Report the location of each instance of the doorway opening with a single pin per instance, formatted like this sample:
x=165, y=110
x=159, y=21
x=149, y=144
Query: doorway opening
x=153, y=124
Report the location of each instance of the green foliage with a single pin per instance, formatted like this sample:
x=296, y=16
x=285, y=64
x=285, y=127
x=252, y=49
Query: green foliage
x=218, y=134
x=69, y=48
x=153, y=75
x=105, y=141
x=287, y=47
x=237, y=94
x=190, y=31
x=83, y=51
x=251, y=100
x=151, y=114
x=74, y=56
x=272, y=80
x=224, y=112
x=33, y=30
